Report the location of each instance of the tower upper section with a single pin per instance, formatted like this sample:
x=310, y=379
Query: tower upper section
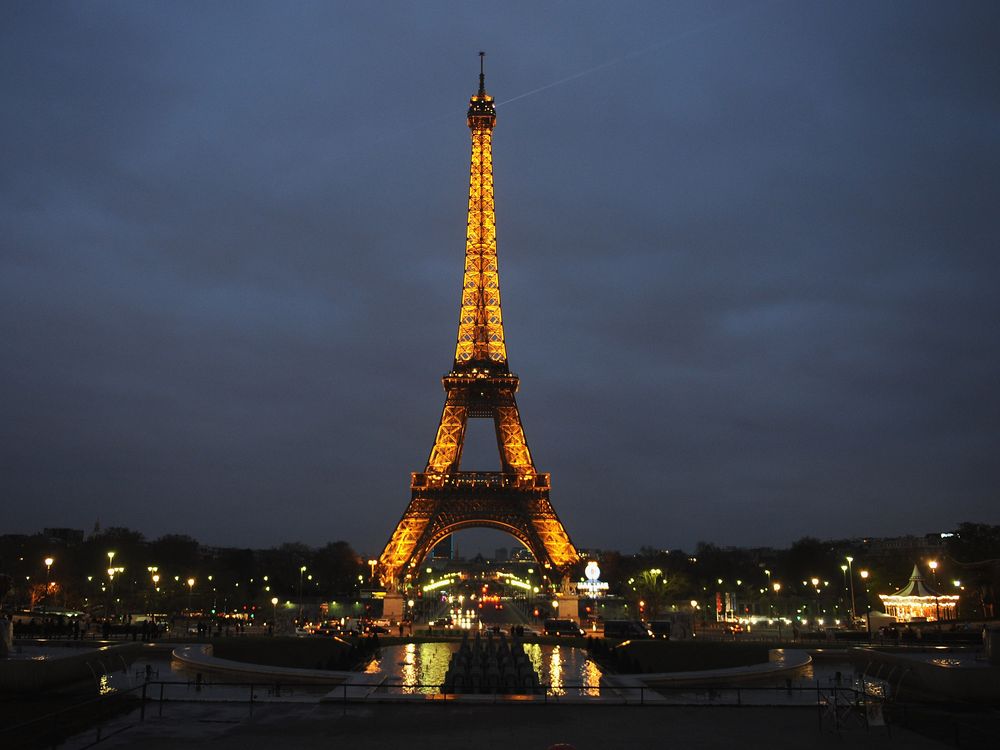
x=480, y=324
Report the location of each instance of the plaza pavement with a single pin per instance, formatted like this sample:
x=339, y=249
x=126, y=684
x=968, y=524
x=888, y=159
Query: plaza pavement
x=473, y=727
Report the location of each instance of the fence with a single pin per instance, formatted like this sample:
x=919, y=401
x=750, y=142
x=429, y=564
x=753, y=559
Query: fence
x=99, y=718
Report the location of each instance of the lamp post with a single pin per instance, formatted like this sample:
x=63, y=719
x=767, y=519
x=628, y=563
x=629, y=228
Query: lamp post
x=190, y=583
x=302, y=570
x=111, y=585
x=153, y=577
x=48, y=569
x=868, y=605
x=850, y=576
x=776, y=587
x=372, y=563
x=843, y=569
x=933, y=564
x=111, y=581
x=274, y=613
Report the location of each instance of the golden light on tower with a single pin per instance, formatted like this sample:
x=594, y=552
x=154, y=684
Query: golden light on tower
x=480, y=385
x=480, y=323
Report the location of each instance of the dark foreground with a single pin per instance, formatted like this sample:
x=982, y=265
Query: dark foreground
x=525, y=727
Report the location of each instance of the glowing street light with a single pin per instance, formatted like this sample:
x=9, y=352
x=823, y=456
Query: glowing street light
x=302, y=570
x=868, y=606
x=48, y=569
x=843, y=569
x=190, y=583
x=274, y=613
x=850, y=575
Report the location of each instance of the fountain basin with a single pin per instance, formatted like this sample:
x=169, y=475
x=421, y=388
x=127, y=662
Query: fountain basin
x=47, y=671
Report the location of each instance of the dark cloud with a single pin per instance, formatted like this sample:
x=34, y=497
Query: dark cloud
x=748, y=255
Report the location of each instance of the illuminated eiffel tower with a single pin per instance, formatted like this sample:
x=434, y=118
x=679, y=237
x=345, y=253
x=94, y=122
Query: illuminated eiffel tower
x=445, y=499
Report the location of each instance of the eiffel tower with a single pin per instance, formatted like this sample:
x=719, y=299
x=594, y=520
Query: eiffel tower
x=445, y=499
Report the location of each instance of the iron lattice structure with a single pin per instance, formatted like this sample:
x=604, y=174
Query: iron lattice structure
x=445, y=499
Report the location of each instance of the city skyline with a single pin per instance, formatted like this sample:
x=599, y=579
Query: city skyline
x=746, y=254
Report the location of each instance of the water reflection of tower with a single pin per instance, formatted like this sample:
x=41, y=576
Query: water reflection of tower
x=555, y=671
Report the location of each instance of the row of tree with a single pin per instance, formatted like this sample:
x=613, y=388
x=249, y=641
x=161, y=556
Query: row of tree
x=186, y=573
x=189, y=573
x=971, y=556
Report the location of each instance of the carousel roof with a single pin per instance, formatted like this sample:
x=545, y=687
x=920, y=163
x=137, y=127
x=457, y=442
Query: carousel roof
x=917, y=586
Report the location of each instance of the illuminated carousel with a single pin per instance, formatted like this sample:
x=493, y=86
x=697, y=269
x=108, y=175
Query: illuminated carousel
x=919, y=602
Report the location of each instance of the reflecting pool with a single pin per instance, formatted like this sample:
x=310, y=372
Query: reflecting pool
x=421, y=667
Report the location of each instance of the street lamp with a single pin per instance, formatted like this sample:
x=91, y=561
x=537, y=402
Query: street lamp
x=48, y=569
x=372, y=563
x=301, y=571
x=850, y=575
x=154, y=577
x=190, y=583
x=274, y=613
x=868, y=604
x=815, y=583
x=843, y=569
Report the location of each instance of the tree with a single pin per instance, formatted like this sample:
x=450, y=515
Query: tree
x=37, y=593
x=177, y=553
x=975, y=552
x=808, y=558
x=338, y=566
x=653, y=589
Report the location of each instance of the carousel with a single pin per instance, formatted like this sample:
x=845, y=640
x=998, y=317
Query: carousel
x=919, y=602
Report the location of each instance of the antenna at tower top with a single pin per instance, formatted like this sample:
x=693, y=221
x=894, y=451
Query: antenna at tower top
x=482, y=76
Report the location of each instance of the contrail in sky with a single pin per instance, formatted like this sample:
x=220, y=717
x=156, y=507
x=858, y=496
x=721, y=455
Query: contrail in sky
x=643, y=51
x=391, y=136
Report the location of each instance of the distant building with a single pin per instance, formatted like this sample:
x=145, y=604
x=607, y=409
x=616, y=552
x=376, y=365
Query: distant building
x=913, y=547
x=66, y=536
x=445, y=549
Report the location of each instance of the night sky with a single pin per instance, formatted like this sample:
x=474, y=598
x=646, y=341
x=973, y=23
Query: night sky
x=748, y=254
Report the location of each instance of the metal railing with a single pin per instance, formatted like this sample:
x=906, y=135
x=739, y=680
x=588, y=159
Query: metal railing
x=838, y=708
x=98, y=718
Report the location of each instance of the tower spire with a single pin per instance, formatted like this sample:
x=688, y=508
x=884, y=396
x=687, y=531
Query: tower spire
x=480, y=323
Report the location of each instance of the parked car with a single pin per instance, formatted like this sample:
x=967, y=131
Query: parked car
x=562, y=627
x=626, y=629
x=660, y=629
